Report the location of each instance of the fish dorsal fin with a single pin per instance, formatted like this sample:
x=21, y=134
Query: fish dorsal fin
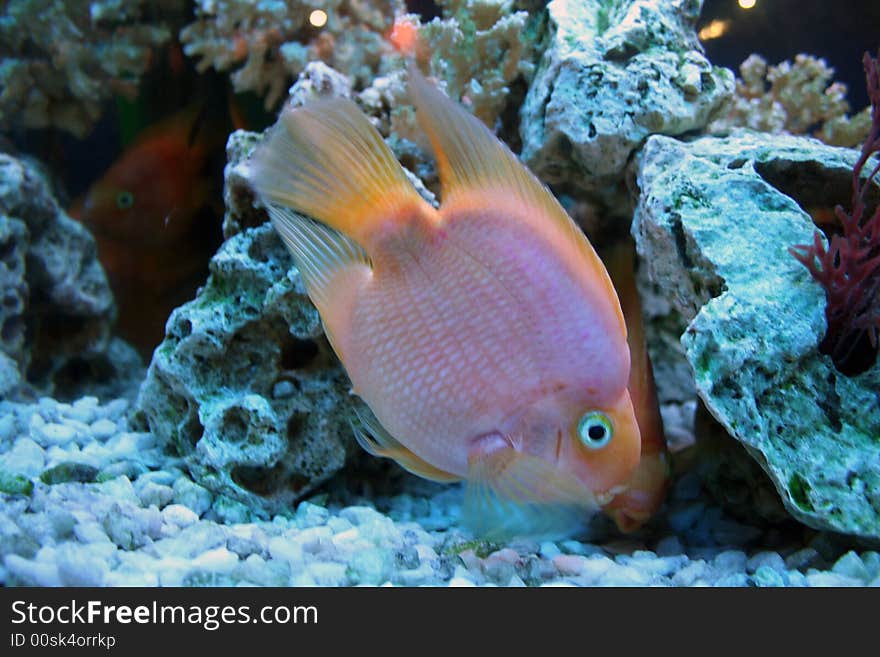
x=318, y=251
x=510, y=493
x=326, y=160
x=473, y=163
x=376, y=440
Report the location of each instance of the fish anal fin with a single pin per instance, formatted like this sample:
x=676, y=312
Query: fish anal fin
x=376, y=440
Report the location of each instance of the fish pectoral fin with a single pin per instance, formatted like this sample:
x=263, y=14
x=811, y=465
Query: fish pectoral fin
x=510, y=493
x=318, y=251
x=326, y=160
x=376, y=440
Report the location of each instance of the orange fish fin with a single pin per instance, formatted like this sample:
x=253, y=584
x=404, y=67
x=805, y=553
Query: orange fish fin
x=376, y=440
x=326, y=160
x=318, y=251
x=472, y=162
x=510, y=493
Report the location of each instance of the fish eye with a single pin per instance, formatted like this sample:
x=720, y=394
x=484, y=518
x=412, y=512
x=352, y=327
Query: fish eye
x=124, y=200
x=595, y=430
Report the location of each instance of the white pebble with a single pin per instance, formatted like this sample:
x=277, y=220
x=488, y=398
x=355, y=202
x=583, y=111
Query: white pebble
x=25, y=458
x=766, y=559
x=802, y=558
x=570, y=564
x=179, y=515
x=328, y=573
x=102, y=429
x=549, y=549
x=303, y=579
x=78, y=566
x=219, y=560
x=283, y=549
x=338, y=525
x=124, y=443
x=152, y=493
x=460, y=582
x=347, y=536
x=54, y=434
x=619, y=575
x=731, y=561
x=692, y=574
x=132, y=579
x=593, y=569
x=80, y=413
x=314, y=540
x=830, y=579
x=424, y=574
x=426, y=553
x=89, y=401
x=33, y=573
x=172, y=570
x=7, y=427
x=850, y=565
x=192, y=495
x=35, y=422
x=358, y=515
x=120, y=488
x=145, y=441
x=90, y=532
x=113, y=409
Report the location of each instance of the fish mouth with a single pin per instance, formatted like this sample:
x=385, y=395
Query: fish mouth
x=628, y=521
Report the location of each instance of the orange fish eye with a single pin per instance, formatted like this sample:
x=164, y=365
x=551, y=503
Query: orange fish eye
x=124, y=200
x=595, y=430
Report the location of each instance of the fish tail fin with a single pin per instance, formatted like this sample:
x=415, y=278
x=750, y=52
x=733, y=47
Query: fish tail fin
x=510, y=494
x=647, y=487
x=327, y=161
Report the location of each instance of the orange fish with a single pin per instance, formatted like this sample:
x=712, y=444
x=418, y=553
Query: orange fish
x=646, y=489
x=485, y=337
x=152, y=219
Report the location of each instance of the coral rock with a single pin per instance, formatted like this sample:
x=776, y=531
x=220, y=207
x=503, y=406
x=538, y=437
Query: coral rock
x=61, y=62
x=56, y=308
x=714, y=220
x=266, y=44
x=613, y=74
x=245, y=387
x=793, y=98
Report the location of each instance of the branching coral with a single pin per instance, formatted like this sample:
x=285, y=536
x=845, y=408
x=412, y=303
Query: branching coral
x=478, y=48
x=61, y=61
x=266, y=43
x=849, y=267
x=481, y=52
x=794, y=98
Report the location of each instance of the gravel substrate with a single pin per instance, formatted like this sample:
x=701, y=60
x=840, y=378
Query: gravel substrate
x=87, y=502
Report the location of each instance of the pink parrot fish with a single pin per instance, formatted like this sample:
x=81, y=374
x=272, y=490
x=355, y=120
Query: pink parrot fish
x=485, y=336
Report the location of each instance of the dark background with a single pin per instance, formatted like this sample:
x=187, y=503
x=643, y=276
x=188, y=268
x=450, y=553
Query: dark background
x=840, y=31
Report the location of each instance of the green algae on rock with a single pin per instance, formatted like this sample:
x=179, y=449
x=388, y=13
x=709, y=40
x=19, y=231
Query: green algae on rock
x=612, y=74
x=714, y=229
x=244, y=387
